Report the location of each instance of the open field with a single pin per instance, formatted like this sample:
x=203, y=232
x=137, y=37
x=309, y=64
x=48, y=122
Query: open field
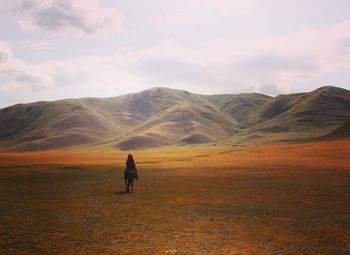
x=271, y=199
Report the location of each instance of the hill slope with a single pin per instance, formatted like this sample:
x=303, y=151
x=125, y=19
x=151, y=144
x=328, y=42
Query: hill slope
x=183, y=123
x=300, y=116
x=162, y=116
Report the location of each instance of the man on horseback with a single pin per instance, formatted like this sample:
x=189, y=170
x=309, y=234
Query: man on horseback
x=130, y=172
x=130, y=165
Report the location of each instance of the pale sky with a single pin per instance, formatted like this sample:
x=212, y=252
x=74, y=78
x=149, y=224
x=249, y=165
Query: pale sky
x=54, y=49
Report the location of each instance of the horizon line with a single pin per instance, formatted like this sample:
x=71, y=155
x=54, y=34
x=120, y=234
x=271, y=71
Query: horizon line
x=164, y=87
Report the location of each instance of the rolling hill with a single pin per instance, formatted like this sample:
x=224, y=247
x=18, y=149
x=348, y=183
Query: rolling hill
x=163, y=116
x=301, y=116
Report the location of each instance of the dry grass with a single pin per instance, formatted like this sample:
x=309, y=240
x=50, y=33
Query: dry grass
x=273, y=199
x=327, y=154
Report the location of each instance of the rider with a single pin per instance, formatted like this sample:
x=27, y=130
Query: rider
x=130, y=165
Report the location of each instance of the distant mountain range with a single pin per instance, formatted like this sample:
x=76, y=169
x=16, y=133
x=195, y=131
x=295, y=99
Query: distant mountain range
x=163, y=116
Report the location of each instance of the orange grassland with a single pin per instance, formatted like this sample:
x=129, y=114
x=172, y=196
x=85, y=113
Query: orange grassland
x=266, y=199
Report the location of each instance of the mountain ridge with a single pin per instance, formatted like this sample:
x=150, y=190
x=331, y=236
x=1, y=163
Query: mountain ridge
x=162, y=116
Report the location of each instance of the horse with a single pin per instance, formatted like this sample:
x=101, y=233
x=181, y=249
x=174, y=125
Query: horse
x=129, y=177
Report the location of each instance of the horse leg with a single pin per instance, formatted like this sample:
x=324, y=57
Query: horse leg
x=126, y=185
x=132, y=183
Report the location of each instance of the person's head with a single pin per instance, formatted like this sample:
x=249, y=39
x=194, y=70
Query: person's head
x=130, y=156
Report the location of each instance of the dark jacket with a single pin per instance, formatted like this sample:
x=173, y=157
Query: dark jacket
x=130, y=166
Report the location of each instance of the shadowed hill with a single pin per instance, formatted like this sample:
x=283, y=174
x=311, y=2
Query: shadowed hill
x=162, y=116
x=242, y=108
x=342, y=131
x=57, y=124
x=300, y=116
x=183, y=123
x=322, y=108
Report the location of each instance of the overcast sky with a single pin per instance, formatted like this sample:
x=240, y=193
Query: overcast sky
x=53, y=49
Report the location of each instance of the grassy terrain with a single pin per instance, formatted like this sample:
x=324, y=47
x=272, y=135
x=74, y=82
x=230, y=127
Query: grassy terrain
x=272, y=199
x=166, y=117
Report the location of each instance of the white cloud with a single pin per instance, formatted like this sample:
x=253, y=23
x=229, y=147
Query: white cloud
x=288, y=62
x=277, y=64
x=230, y=8
x=185, y=12
x=16, y=75
x=268, y=88
x=265, y=64
x=69, y=17
x=34, y=45
x=5, y=53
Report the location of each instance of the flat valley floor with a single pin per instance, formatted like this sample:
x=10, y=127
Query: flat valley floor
x=272, y=199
